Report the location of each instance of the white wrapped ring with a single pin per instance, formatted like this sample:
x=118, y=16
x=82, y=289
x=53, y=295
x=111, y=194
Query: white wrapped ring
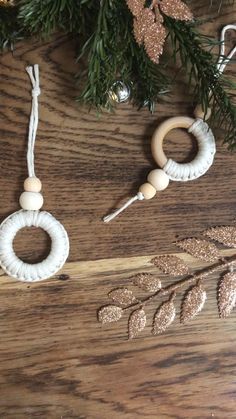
x=20, y=270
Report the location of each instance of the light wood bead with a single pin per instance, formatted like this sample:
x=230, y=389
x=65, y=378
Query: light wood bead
x=199, y=113
x=158, y=179
x=32, y=184
x=147, y=190
x=31, y=201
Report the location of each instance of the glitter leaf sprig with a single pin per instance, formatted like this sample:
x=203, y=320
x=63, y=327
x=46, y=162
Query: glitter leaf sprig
x=194, y=297
x=148, y=25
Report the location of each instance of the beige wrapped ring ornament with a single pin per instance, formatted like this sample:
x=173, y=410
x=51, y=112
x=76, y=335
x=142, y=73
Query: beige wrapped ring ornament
x=206, y=149
x=158, y=179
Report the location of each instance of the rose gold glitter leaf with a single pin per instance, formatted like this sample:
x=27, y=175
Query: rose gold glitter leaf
x=122, y=296
x=154, y=41
x=147, y=282
x=225, y=235
x=141, y=25
x=163, y=317
x=135, y=6
x=137, y=322
x=110, y=313
x=193, y=303
x=171, y=265
x=176, y=9
x=201, y=249
x=227, y=294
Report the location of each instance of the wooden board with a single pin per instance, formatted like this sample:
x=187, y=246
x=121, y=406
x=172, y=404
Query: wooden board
x=56, y=361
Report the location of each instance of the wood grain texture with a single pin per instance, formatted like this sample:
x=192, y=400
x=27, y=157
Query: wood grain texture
x=56, y=361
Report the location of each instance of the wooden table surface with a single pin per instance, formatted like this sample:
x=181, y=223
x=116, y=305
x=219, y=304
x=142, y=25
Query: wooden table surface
x=56, y=361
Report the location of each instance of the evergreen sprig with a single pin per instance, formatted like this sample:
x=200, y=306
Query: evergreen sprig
x=44, y=17
x=10, y=30
x=211, y=89
x=112, y=53
x=107, y=46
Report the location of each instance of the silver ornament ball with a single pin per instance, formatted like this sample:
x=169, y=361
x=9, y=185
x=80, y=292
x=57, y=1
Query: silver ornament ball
x=119, y=92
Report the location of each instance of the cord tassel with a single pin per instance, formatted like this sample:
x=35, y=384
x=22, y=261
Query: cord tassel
x=138, y=197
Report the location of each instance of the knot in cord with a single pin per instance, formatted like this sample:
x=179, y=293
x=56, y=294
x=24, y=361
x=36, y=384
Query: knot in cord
x=36, y=91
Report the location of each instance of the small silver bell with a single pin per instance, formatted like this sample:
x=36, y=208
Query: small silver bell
x=119, y=92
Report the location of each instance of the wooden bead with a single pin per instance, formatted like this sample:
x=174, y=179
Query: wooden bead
x=147, y=190
x=32, y=184
x=31, y=201
x=199, y=113
x=158, y=179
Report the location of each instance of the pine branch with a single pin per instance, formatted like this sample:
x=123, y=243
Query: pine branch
x=201, y=68
x=112, y=53
x=10, y=30
x=44, y=17
x=107, y=43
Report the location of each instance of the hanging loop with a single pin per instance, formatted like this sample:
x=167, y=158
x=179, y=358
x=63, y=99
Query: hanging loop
x=225, y=59
x=33, y=73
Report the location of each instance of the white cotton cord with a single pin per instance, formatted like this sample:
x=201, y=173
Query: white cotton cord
x=204, y=159
x=33, y=72
x=223, y=59
x=138, y=197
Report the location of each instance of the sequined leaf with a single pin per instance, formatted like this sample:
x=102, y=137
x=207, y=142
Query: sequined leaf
x=122, y=296
x=176, y=9
x=147, y=282
x=227, y=294
x=193, y=303
x=171, y=265
x=201, y=249
x=154, y=39
x=135, y=6
x=110, y=313
x=137, y=322
x=7, y=3
x=141, y=25
x=163, y=317
x=225, y=235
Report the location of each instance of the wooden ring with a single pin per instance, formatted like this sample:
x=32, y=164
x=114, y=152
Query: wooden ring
x=160, y=133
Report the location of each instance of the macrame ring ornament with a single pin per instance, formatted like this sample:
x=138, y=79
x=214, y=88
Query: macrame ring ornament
x=20, y=270
x=158, y=179
x=31, y=200
x=206, y=149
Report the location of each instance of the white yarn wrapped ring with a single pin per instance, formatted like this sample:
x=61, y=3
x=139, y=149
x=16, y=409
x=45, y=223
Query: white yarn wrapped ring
x=206, y=149
x=20, y=270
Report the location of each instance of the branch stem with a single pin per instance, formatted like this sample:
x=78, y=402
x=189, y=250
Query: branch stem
x=199, y=276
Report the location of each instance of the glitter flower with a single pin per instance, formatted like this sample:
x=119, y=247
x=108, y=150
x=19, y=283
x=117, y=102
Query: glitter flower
x=149, y=29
